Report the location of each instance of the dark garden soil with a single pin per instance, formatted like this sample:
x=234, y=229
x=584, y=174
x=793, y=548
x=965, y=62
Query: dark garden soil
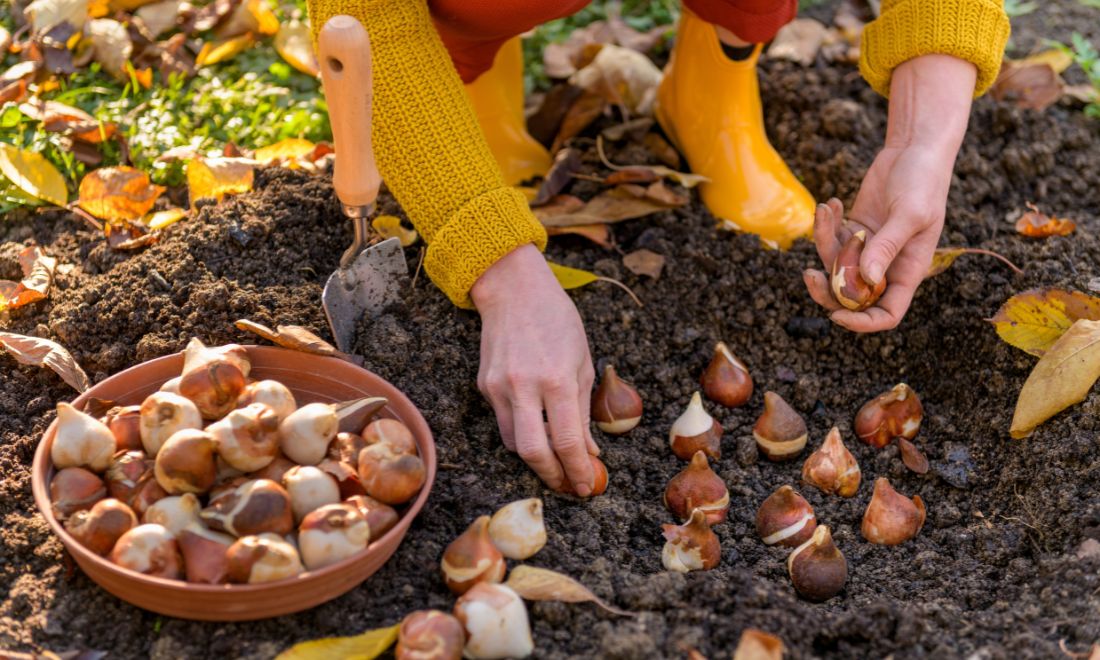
x=997, y=572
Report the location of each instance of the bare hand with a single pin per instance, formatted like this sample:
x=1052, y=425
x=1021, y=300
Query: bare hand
x=535, y=358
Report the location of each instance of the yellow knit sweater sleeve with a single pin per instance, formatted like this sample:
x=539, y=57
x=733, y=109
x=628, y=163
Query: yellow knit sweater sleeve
x=973, y=30
x=430, y=150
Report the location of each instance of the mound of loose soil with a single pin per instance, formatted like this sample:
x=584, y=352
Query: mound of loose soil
x=996, y=572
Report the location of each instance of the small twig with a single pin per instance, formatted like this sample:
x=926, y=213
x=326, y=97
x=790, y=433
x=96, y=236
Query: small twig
x=991, y=253
x=419, y=265
x=587, y=177
x=621, y=286
x=86, y=217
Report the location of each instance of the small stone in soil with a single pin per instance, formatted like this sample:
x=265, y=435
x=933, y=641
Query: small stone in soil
x=807, y=327
x=746, y=451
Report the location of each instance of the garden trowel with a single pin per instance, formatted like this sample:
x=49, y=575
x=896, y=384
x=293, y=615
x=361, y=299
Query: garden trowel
x=368, y=279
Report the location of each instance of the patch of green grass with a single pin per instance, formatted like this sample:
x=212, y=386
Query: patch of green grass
x=1016, y=8
x=1095, y=4
x=1086, y=56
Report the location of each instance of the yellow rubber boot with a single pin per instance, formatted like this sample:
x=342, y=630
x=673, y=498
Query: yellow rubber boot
x=497, y=97
x=710, y=106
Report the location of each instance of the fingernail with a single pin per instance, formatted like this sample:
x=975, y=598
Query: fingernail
x=874, y=272
x=584, y=490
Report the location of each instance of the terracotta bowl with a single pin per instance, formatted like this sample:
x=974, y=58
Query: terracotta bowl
x=312, y=379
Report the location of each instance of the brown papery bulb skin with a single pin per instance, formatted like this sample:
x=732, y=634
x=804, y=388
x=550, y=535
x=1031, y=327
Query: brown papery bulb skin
x=832, y=468
x=780, y=432
x=388, y=476
x=616, y=405
x=817, y=568
x=472, y=558
x=381, y=517
x=255, y=507
x=331, y=534
x=391, y=432
x=430, y=635
x=345, y=447
x=186, y=463
x=849, y=287
x=892, y=518
x=347, y=477
x=599, y=484
x=695, y=430
x=698, y=487
x=692, y=546
x=275, y=470
x=205, y=555
x=785, y=519
x=75, y=489
x=890, y=415
x=125, y=425
x=758, y=645
x=727, y=380
x=99, y=528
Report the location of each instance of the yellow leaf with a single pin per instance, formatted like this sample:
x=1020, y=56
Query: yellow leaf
x=221, y=51
x=571, y=278
x=162, y=219
x=1061, y=378
x=1034, y=320
x=389, y=226
x=267, y=23
x=944, y=257
x=1056, y=59
x=366, y=646
x=218, y=177
x=117, y=194
x=33, y=174
x=284, y=150
x=533, y=583
x=294, y=44
x=251, y=16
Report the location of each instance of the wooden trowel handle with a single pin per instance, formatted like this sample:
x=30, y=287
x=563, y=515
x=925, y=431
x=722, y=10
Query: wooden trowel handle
x=345, y=58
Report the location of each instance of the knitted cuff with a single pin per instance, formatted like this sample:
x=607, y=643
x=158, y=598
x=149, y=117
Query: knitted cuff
x=972, y=30
x=481, y=232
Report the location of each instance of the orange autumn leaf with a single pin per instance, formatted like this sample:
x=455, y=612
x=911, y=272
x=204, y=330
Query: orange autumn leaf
x=294, y=44
x=1037, y=224
x=286, y=152
x=118, y=194
x=218, y=177
x=38, y=272
x=221, y=51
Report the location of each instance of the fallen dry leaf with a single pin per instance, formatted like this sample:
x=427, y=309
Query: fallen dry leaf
x=213, y=52
x=662, y=194
x=942, y=259
x=111, y=45
x=1034, y=86
x=566, y=163
x=636, y=129
x=1057, y=59
x=59, y=117
x=561, y=60
x=685, y=179
x=161, y=219
x=1037, y=224
x=118, y=194
x=645, y=262
x=574, y=278
x=798, y=41
x=38, y=272
x=611, y=206
x=533, y=583
x=623, y=77
x=1034, y=320
x=913, y=457
x=160, y=16
x=286, y=152
x=366, y=646
x=660, y=148
x=43, y=15
x=206, y=17
x=13, y=82
x=598, y=234
x=758, y=645
x=250, y=16
x=218, y=177
x=293, y=43
x=39, y=352
x=33, y=174
x=628, y=37
x=1061, y=378
x=128, y=236
x=583, y=112
x=389, y=226
x=631, y=175
x=1083, y=93
x=296, y=338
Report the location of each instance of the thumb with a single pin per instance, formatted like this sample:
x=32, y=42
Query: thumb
x=884, y=247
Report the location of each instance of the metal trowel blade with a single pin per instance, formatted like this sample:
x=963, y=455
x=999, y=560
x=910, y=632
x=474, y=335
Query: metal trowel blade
x=369, y=284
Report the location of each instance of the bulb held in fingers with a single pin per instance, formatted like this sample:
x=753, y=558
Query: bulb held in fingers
x=81, y=441
x=75, y=489
x=849, y=287
x=698, y=487
x=100, y=527
x=892, y=518
x=727, y=380
x=616, y=405
x=517, y=529
x=890, y=415
x=832, y=468
x=599, y=479
x=817, y=568
x=785, y=518
x=162, y=415
x=430, y=635
x=780, y=432
x=692, y=546
x=695, y=430
x=472, y=558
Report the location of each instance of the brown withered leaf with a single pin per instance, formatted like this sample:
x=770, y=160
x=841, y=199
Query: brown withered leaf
x=203, y=18
x=623, y=77
x=558, y=205
x=636, y=129
x=944, y=257
x=128, y=236
x=664, y=151
x=296, y=338
x=798, y=41
x=533, y=583
x=662, y=194
x=582, y=113
x=758, y=645
x=566, y=163
x=1036, y=224
x=913, y=457
x=544, y=122
x=14, y=81
x=645, y=262
x=53, y=47
x=111, y=44
x=631, y=175
x=628, y=37
x=40, y=352
x=59, y=117
x=685, y=179
x=598, y=234
x=613, y=205
x=1034, y=86
x=38, y=270
x=118, y=194
x=1061, y=378
x=562, y=60
x=160, y=16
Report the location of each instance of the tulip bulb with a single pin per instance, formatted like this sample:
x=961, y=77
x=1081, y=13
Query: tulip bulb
x=247, y=438
x=332, y=533
x=517, y=529
x=381, y=517
x=892, y=518
x=817, y=568
x=849, y=287
x=346, y=447
x=275, y=470
x=599, y=479
x=495, y=620
x=785, y=518
x=472, y=558
x=695, y=430
x=174, y=513
x=75, y=489
x=205, y=554
x=213, y=378
x=616, y=405
x=309, y=488
x=125, y=472
x=81, y=441
x=271, y=393
x=254, y=507
x=99, y=528
x=758, y=645
x=185, y=464
x=149, y=549
x=346, y=477
x=698, y=487
x=780, y=432
x=388, y=476
x=392, y=432
x=727, y=380
x=430, y=635
x=911, y=456
x=890, y=415
x=692, y=546
x=262, y=558
x=172, y=385
x=306, y=433
x=125, y=425
x=162, y=415
x=832, y=468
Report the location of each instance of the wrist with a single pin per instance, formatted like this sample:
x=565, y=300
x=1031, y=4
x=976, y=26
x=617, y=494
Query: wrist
x=510, y=273
x=930, y=99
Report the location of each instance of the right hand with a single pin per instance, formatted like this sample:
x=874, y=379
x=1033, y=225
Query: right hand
x=534, y=357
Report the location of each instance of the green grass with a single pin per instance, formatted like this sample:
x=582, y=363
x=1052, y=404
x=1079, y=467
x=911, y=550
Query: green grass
x=1016, y=8
x=1086, y=56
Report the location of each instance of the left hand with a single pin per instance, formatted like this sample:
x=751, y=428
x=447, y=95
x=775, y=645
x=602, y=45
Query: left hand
x=903, y=198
